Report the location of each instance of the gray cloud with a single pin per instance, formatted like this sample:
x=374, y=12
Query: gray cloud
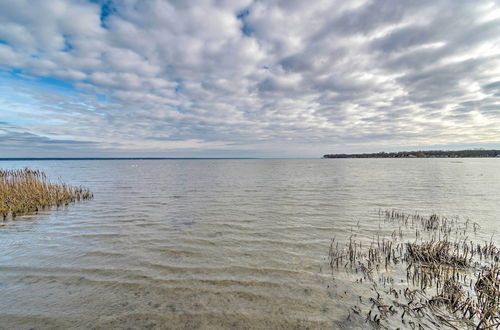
x=279, y=77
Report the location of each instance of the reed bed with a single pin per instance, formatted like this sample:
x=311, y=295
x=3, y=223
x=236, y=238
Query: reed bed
x=440, y=252
x=427, y=274
x=27, y=191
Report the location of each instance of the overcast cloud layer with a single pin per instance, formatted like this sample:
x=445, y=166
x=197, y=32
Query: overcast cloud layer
x=247, y=78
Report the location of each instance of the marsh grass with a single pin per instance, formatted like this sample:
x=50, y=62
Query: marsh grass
x=437, y=252
x=27, y=191
x=450, y=280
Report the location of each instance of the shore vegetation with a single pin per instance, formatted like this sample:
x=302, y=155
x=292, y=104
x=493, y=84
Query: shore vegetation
x=430, y=273
x=475, y=153
x=27, y=191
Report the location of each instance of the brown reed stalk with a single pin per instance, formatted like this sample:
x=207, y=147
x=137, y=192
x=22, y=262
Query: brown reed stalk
x=26, y=191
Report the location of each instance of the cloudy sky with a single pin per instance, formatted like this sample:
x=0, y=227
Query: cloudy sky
x=242, y=78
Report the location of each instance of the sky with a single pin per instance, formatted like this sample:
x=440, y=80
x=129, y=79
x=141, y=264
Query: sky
x=242, y=78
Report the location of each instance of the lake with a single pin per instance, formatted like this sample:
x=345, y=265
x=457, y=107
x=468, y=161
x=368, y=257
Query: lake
x=217, y=243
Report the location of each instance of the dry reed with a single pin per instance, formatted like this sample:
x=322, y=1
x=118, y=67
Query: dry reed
x=450, y=280
x=26, y=191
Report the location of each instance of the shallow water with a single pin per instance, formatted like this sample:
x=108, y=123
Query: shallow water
x=217, y=243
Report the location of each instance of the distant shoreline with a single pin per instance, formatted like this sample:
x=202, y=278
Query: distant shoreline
x=476, y=153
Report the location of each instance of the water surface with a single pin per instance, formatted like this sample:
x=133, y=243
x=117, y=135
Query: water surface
x=216, y=243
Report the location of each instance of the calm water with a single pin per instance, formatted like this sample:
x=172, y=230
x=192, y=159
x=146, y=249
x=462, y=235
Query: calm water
x=216, y=243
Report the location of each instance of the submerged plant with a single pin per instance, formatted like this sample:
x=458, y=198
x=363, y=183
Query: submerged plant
x=28, y=191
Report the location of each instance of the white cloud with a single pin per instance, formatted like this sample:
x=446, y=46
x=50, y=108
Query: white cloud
x=217, y=74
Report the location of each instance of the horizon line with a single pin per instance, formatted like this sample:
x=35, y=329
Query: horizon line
x=121, y=158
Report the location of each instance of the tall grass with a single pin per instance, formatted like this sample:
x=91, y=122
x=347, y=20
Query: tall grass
x=26, y=191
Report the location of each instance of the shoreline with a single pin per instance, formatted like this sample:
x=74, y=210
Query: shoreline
x=479, y=153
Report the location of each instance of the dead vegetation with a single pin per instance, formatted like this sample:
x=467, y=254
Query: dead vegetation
x=28, y=191
x=437, y=252
x=427, y=274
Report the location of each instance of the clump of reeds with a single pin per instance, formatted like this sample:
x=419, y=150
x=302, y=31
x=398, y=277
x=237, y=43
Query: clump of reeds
x=451, y=293
x=26, y=191
x=432, y=223
x=487, y=290
x=450, y=279
x=437, y=252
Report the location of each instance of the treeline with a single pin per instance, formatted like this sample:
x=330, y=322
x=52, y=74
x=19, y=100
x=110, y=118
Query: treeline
x=422, y=154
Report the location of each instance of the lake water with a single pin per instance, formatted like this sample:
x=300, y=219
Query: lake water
x=216, y=243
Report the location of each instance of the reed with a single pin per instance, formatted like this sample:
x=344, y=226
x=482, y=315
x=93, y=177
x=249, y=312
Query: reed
x=441, y=252
x=26, y=191
x=450, y=279
x=487, y=290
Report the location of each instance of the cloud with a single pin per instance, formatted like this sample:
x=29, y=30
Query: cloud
x=240, y=77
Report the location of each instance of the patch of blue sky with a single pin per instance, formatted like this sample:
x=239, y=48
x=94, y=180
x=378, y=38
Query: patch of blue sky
x=68, y=46
x=243, y=13
x=19, y=106
x=17, y=121
x=8, y=92
x=107, y=9
x=17, y=77
x=104, y=99
x=3, y=42
x=14, y=71
x=101, y=98
x=246, y=29
x=56, y=85
x=14, y=107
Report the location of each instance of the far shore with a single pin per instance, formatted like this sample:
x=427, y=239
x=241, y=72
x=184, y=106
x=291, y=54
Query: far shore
x=475, y=153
